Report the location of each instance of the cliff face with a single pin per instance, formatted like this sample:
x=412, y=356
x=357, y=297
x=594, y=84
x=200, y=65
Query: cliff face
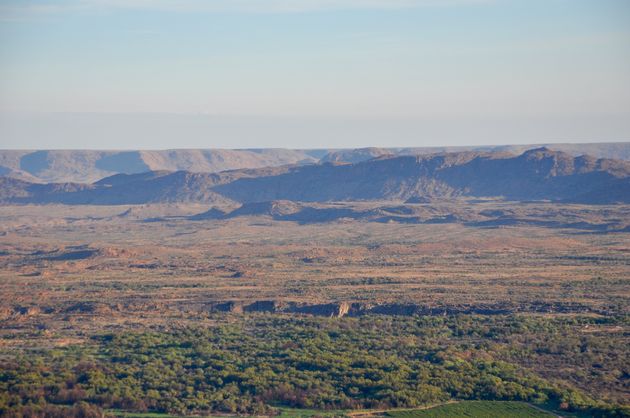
x=341, y=309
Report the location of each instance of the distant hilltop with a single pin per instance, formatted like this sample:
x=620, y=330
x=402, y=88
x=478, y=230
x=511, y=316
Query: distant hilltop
x=85, y=166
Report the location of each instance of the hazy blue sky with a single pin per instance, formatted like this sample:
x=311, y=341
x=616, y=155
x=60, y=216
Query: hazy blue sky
x=312, y=73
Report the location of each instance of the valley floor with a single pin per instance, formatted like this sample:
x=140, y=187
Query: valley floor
x=147, y=310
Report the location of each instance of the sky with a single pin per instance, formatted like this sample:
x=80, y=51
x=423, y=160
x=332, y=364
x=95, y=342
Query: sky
x=157, y=74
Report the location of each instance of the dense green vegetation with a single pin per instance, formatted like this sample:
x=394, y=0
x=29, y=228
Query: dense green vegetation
x=123, y=414
x=253, y=364
x=282, y=412
x=475, y=409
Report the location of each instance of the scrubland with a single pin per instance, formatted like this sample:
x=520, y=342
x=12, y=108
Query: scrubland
x=148, y=310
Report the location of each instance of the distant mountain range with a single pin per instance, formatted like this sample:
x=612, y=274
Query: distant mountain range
x=84, y=166
x=538, y=174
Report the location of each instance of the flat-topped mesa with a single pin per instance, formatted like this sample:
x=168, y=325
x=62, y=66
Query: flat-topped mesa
x=86, y=166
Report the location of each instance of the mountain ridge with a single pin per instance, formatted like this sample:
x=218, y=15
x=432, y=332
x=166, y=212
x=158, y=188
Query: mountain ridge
x=87, y=166
x=538, y=174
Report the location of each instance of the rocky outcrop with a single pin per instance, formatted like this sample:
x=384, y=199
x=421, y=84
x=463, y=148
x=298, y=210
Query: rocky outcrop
x=332, y=310
x=264, y=306
x=233, y=307
x=341, y=309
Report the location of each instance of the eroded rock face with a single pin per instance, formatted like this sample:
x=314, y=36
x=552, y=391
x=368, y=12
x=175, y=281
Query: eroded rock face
x=264, y=306
x=341, y=309
x=333, y=310
x=230, y=306
x=26, y=311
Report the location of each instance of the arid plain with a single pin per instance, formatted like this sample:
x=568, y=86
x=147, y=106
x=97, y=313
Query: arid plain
x=71, y=272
